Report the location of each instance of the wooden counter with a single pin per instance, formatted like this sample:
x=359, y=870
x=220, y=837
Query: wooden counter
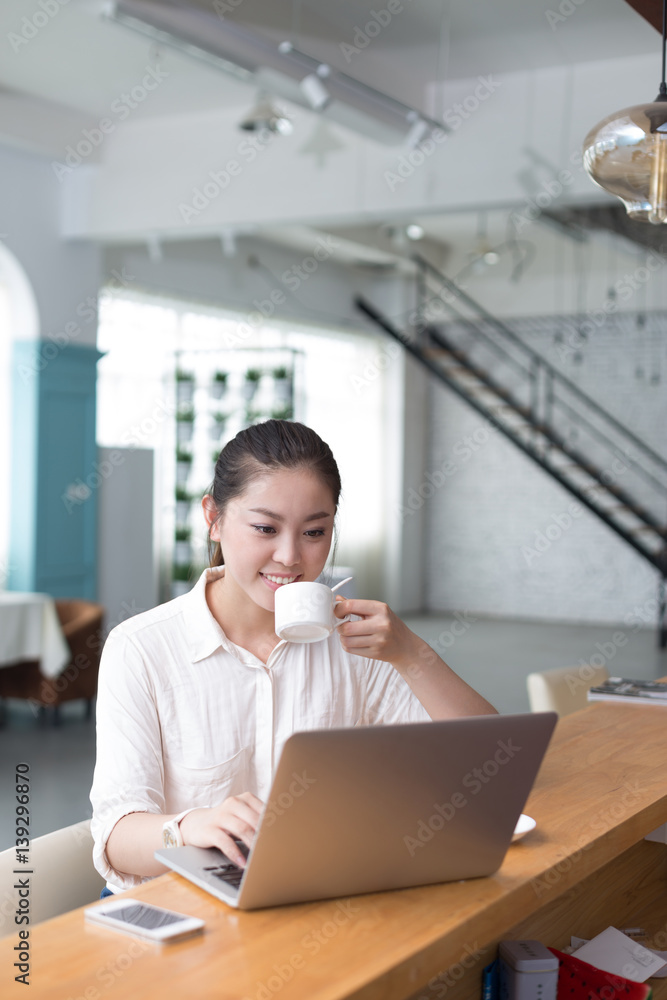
x=601, y=789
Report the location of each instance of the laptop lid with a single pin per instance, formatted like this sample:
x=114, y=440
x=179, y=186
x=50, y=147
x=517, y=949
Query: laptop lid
x=384, y=807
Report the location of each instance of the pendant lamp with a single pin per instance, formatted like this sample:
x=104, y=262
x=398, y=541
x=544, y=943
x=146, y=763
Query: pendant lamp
x=626, y=153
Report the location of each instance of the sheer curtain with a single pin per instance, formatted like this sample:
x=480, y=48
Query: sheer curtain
x=5, y=424
x=339, y=392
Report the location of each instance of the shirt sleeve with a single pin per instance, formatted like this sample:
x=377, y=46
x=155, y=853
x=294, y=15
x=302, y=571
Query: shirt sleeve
x=388, y=698
x=129, y=771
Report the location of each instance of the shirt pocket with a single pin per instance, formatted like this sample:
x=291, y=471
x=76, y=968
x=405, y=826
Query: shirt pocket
x=203, y=787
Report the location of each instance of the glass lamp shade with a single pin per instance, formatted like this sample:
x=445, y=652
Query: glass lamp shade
x=626, y=154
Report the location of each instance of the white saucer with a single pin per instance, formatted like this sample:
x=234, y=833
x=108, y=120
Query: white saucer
x=524, y=826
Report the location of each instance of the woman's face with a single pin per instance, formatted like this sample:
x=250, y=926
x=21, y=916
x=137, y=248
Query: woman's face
x=279, y=531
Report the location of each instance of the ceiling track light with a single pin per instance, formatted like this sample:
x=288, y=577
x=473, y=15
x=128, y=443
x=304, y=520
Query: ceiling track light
x=418, y=131
x=265, y=115
x=113, y=12
x=414, y=231
x=626, y=153
x=314, y=90
x=279, y=68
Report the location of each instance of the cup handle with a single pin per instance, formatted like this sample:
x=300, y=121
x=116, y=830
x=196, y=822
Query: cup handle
x=341, y=621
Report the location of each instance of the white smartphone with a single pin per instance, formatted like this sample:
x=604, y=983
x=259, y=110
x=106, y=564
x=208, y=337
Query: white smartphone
x=130, y=916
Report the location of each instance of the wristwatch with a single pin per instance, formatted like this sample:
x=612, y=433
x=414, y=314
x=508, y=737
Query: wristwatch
x=171, y=831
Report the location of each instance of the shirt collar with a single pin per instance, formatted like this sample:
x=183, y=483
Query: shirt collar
x=205, y=634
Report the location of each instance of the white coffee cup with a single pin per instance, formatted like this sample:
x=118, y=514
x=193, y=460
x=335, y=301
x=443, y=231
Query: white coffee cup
x=305, y=612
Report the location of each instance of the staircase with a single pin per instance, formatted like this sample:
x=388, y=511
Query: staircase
x=546, y=415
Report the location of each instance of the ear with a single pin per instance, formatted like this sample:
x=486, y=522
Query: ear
x=211, y=517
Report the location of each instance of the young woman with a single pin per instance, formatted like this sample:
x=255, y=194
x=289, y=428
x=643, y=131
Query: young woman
x=197, y=696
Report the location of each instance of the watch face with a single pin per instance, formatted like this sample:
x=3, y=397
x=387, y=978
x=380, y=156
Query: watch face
x=168, y=837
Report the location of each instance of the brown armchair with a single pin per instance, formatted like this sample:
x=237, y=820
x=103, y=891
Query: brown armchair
x=81, y=622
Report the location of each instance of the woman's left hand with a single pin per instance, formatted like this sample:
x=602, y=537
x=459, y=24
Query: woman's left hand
x=380, y=635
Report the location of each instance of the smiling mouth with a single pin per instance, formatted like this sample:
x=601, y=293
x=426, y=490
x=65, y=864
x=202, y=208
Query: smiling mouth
x=280, y=580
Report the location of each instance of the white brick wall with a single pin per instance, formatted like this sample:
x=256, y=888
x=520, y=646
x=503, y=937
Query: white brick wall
x=484, y=521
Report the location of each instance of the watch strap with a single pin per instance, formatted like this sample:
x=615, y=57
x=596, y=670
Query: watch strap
x=174, y=824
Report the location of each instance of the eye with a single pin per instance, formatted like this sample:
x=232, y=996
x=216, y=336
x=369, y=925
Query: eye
x=264, y=529
x=315, y=532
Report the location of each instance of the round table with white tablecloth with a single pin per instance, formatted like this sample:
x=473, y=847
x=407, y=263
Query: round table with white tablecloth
x=30, y=630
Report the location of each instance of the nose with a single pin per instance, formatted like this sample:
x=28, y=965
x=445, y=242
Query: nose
x=287, y=551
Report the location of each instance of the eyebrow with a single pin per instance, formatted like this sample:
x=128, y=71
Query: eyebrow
x=279, y=517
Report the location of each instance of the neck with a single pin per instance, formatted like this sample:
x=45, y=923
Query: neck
x=245, y=623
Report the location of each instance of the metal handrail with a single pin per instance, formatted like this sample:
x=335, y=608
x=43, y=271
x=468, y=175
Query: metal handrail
x=556, y=438
x=553, y=402
x=554, y=374
x=659, y=560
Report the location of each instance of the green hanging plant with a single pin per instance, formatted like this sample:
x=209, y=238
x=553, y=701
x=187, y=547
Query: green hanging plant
x=186, y=415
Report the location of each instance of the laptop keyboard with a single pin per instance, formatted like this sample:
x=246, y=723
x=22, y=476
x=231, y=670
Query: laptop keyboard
x=229, y=872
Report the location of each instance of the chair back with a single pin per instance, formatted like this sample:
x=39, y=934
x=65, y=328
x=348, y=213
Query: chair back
x=76, y=615
x=63, y=875
x=563, y=690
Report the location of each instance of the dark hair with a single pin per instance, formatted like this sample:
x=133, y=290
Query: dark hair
x=274, y=444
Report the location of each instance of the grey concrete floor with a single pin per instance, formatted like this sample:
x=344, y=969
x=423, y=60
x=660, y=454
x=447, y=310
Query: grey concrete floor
x=495, y=657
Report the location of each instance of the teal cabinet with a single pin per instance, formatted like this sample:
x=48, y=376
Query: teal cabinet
x=55, y=472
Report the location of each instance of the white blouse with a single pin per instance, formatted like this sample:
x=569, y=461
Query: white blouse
x=186, y=718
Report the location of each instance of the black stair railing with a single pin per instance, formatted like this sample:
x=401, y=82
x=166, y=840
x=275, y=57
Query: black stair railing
x=559, y=422
x=550, y=391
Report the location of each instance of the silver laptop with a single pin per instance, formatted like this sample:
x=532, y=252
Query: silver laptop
x=381, y=807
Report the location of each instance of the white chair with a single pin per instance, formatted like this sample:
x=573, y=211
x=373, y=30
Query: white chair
x=563, y=690
x=63, y=876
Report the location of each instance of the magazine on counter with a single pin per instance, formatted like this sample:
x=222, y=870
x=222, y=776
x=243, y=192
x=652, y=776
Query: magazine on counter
x=623, y=689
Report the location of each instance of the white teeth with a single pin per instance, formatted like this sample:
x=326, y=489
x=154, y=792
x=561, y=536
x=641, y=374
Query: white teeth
x=280, y=579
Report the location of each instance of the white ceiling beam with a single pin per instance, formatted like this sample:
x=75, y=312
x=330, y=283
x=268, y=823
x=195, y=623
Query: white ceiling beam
x=40, y=127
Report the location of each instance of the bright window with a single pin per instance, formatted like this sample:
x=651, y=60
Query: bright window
x=5, y=423
x=339, y=393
